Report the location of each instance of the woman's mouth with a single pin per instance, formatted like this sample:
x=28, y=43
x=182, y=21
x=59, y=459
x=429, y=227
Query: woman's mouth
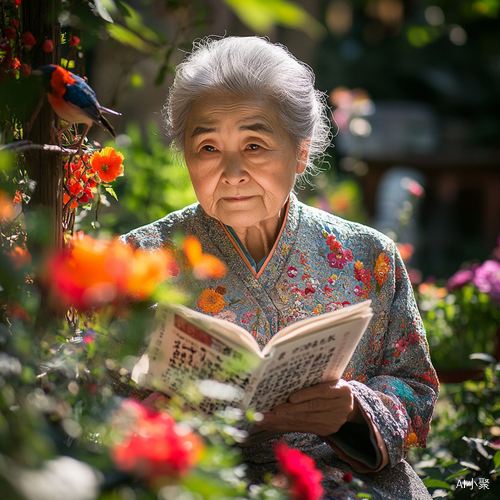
x=236, y=198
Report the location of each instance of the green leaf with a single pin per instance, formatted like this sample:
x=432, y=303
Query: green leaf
x=111, y=191
x=461, y=472
x=262, y=15
x=448, y=463
x=496, y=459
x=127, y=37
x=364, y=495
x=102, y=11
x=436, y=483
x=135, y=23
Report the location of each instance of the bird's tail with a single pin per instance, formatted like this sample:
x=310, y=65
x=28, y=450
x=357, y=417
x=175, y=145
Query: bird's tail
x=105, y=124
x=110, y=111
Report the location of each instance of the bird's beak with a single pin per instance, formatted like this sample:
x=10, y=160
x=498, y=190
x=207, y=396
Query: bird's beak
x=37, y=72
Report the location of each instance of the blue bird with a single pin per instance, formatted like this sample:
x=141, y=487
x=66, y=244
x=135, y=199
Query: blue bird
x=73, y=100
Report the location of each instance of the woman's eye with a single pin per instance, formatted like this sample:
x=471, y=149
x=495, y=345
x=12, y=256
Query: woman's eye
x=209, y=148
x=253, y=147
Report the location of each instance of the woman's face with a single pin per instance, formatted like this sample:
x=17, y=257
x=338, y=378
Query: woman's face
x=241, y=160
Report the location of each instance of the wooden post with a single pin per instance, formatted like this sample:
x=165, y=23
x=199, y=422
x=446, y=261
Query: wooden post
x=41, y=19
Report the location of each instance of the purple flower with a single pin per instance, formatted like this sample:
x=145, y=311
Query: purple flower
x=460, y=279
x=487, y=279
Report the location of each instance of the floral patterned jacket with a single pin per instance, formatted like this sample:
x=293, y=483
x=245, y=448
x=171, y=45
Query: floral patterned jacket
x=319, y=263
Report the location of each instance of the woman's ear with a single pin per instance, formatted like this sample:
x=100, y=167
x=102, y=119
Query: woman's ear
x=303, y=155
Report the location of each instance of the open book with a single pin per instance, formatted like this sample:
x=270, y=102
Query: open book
x=227, y=365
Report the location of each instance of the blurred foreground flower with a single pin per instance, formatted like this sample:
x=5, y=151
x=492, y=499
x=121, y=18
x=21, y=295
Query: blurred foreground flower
x=95, y=272
x=487, y=279
x=152, y=444
x=205, y=266
x=299, y=469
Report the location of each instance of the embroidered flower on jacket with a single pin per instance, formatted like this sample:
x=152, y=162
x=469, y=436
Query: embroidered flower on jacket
x=248, y=316
x=211, y=301
x=333, y=243
x=300, y=470
x=402, y=345
x=363, y=275
x=339, y=260
x=411, y=440
x=382, y=268
x=292, y=272
x=358, y=291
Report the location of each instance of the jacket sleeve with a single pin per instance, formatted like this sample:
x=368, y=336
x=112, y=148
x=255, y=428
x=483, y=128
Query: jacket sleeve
x=399, y=397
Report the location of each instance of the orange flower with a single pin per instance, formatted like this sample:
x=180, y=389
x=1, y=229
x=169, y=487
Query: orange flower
x=406, y=250
x=411, y=440
x=18, y=198
x=211, y=301
x=382, y=268
x=6, y=207
x=205, y=266
x=147, y=270
x=107, y=164
x=95, y=272
x=19, y=257
x=87, y=275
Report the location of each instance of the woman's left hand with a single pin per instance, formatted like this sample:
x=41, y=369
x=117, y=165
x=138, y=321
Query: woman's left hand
x=321, y=409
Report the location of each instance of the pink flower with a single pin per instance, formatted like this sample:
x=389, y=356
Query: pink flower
x=299, y=469
x=292, y=272
x=460, y=279
x=28, y=40
x=487, y=279
x=358, y=291
x=339, y=260
x=401, y=345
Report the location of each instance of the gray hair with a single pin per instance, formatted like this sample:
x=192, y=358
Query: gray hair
x=251, y=66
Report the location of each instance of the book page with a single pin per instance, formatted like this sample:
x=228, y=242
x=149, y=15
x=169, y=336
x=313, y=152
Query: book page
x=317, y=322
x=222, y=329
x=306, y=361
x=182, y=355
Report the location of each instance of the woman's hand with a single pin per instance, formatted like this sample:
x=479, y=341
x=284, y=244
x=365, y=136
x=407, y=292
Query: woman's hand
x=321, y=409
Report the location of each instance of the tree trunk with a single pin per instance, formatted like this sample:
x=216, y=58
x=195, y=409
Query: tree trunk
x=40, y=17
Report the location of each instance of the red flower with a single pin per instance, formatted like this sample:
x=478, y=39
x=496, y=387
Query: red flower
x=347, y=477
x=14, y=22
x=10, y=32
x=305, y=479
x=28, y=40
x=74, y=41
x=153, y=445
x=48, y=46
x=107, y=164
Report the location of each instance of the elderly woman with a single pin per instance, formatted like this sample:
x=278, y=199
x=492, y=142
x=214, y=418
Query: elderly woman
x=245, y=114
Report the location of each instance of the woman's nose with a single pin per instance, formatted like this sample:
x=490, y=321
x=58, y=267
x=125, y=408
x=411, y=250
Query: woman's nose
x=234, y=171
